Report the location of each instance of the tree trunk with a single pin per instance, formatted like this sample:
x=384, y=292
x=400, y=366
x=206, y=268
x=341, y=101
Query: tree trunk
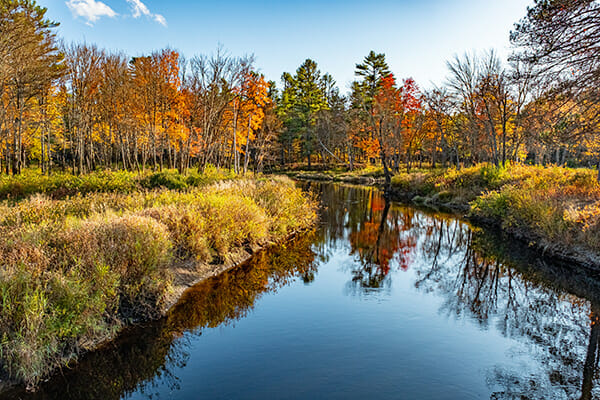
x=349, y=155
x=386, y=173
x=7, y=155
x=457, y=160
x=235, y=162
x=589, y=367
x=48, y=154
x=247, y=146
x=503, y=143
x=42, y=167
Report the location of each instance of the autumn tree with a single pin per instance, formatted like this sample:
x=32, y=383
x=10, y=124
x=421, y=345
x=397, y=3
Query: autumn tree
x=30, y=63
x=559, y=39
x=413, y=126
x=84, y=77
x=493, y=95
x=116, y=100
x=483, y=91
x=372, y=71
x=439, y=112
x=331, y=129
x=237, y=92
x=157, y=84
x=384, y=114
x=462, y=84
x=265, y=148
x=210, y=87
x=254, y=99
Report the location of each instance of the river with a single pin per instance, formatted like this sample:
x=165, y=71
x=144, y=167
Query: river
x=381, y=301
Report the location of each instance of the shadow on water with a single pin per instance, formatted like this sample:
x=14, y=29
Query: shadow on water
x=480, y=275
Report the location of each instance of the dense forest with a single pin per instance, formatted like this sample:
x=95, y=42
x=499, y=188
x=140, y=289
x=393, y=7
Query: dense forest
x=81, y=108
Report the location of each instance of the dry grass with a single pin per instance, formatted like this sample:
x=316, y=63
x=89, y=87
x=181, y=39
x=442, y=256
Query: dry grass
x=558, y=205
x=74, y=271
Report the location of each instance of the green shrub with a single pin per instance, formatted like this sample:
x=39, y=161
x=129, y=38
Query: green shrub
x=492, y=205
x=49, y=314
x=166, y=180
x=60, y=185
x=240, y=222
x=65, y=294
x=187, y=228
x=286, y=206
x=136, y=248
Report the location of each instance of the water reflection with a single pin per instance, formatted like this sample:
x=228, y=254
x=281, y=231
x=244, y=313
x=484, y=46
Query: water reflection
x=487, y=278
x=549, y=313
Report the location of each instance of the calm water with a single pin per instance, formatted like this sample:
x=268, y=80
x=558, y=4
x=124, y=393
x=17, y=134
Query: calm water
x=381, y=301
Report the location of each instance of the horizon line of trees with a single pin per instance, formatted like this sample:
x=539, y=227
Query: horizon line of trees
x=81, y=108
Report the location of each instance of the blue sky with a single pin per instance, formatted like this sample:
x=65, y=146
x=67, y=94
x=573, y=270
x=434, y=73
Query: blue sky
x=416, y=36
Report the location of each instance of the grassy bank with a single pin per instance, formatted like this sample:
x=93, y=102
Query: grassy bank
x=61, y=185
x=556, y=208
x=75, y=271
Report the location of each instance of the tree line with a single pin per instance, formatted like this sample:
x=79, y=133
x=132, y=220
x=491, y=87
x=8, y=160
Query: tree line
x=80, y=107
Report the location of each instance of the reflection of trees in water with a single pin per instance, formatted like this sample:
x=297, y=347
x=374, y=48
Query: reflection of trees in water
x=140, y=354
x=375, y=231
x=146, y=358
x=590, y=367
x=374, y=245
x=232, y=295
x=339, y=214
x=490, y=289
x=507, y=287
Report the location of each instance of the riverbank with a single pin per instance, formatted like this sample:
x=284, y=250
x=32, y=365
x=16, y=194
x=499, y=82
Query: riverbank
x=554, y=209
x=75, y=271
x=365, y=176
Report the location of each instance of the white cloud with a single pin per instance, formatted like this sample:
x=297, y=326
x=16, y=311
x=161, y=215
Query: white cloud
x=138, y=9
x=91, y=10
x=160, y=19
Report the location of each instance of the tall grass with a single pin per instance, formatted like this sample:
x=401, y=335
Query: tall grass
x=558, y=206
x=74, y=271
